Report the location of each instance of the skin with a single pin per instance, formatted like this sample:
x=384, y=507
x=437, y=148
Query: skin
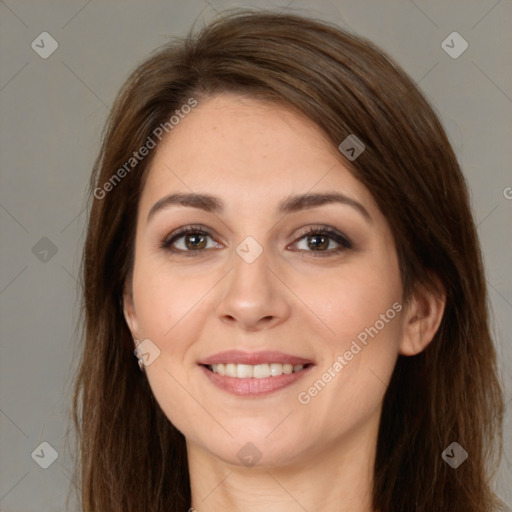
x=314, y=456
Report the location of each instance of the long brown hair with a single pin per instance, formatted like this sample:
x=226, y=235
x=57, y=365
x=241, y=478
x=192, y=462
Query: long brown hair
x=131, y=458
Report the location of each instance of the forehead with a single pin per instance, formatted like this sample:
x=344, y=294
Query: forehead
x=252, y=150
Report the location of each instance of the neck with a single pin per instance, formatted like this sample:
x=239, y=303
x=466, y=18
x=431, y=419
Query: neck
x=339, y=477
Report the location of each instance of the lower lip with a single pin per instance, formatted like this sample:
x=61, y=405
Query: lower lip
x=254, y=387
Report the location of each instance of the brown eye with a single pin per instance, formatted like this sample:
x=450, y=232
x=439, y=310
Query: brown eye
x=189, y=240
x=319, y=241
x=195, y=241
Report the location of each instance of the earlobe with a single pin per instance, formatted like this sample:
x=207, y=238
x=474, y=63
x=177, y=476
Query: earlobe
x=423, y=318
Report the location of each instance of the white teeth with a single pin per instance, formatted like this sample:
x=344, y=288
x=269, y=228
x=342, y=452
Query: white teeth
x=259, y=371
x=244, y=371
x=287, y=369
x=278, y=369
x=230, y=370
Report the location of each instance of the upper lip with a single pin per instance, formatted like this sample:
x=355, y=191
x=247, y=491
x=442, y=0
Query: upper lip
x=254, y=358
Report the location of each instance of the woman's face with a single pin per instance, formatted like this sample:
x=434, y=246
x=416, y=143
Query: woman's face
x=250, y=278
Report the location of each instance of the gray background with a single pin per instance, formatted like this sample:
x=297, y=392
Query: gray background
x=52, y=112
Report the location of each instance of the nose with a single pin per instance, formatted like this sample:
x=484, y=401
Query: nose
x=253, y=297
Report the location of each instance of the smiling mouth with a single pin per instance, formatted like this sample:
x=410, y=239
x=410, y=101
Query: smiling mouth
x=258, y=371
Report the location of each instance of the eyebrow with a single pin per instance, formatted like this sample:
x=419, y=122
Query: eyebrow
x=291, y=204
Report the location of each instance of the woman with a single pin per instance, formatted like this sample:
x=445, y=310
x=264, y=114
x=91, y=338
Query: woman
x=281, y=233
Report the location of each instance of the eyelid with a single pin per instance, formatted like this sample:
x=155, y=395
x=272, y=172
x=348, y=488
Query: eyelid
x=343, y=241
x=339, y=237
x=320, y=228
x=184, y=230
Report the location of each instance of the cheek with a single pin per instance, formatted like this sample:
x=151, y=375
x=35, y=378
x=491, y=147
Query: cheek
x=364, y=311
x=166, y=305
x=361, y=328
x=163, y=297
x=359, y=350
x=351, y=299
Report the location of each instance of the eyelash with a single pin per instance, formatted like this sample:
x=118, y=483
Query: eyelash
x=339, y=238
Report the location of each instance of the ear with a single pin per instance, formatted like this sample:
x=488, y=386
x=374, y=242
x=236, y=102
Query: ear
x=130, y=315
x=422, y=318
